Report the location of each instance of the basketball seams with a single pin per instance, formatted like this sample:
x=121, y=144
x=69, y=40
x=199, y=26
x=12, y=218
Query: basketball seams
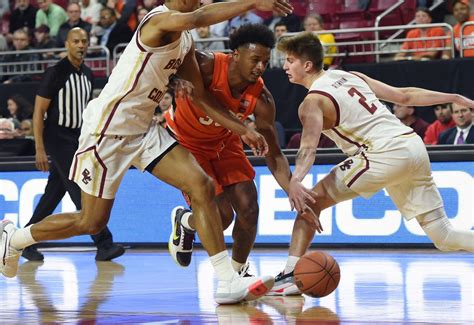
x=316, y=263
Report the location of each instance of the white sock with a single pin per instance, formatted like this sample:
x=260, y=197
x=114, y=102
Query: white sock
x=290, y=264
x=185, y=221
x=222, y=266
x=22, y=238
x=236, y=265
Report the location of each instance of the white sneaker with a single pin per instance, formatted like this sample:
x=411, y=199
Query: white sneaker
x=242, y=289
x=180, y=244
x=284, y=285
x=9, y=256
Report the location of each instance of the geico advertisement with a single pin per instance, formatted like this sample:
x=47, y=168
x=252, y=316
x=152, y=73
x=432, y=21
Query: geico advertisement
x=143, y=204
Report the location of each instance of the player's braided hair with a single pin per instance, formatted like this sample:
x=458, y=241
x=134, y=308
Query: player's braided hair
x=252, y=34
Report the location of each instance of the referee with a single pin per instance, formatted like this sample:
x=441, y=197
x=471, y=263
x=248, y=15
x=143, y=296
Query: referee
x=63, y=94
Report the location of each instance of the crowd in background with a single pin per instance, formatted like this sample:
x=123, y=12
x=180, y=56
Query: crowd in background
x=44, y=24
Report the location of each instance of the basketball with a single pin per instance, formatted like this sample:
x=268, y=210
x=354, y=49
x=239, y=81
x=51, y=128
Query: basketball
x=317, y=274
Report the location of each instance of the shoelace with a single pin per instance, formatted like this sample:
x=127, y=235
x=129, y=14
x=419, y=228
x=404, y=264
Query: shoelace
x=244, y=270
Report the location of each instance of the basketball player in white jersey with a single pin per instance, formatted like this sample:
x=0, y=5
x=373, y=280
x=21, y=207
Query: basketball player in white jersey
x=383, y=152
x=118, y=132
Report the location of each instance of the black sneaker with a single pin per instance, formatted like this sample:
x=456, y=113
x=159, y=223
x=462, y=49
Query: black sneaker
x=284, y=285
x=31, y=254
x=109, y=253
x=180, y=244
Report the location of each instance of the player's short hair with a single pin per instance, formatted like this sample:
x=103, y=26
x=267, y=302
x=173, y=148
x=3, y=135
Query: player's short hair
x=305, y=45
x=252, y=34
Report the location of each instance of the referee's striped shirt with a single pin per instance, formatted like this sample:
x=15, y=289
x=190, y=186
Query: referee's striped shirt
x=69, y=90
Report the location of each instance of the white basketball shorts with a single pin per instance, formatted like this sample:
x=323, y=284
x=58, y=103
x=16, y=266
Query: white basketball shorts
x=401, y=165
x=100, y=163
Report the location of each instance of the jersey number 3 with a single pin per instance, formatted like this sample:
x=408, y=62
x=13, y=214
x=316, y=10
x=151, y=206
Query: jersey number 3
x=362, y=100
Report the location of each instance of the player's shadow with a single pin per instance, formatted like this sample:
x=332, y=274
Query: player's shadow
x=98, y=292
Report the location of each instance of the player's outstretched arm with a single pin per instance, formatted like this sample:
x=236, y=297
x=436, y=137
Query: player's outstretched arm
x=413, y=96
x=311, y=117
x=277, y=162
x=175, y=21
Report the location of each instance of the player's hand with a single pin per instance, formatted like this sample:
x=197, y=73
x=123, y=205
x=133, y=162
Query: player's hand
x=312, y=218
x=42, y=160
x=300, y=195
x=182, y=88
x=280, y=6
x=464, y=101
x=256, y=142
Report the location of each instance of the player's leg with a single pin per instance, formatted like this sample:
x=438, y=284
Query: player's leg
x=444, y=236
x=180, y=169
x=329, y=191
x=90, y=220
x=53, y=194
x=418, y=197
x=244, y=200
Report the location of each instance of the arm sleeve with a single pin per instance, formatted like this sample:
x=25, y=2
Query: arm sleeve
x=47, y=88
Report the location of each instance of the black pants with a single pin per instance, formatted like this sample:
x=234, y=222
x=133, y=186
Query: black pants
x=61, y=144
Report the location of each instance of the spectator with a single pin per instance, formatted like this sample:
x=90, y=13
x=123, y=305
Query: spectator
x=19, y=109
x=150, y=4
x=74, y=20
x=462, y=14
x=463, y=132
x=26, y=129
x=203, y=34
x=443, y=122
x=90, y=11
x=277, y=58
x=113, y=31
x=315, y=23
x=43, y=40
x=407, y=115
x=420, y=49
x=220, y=29
x=50, y=14
x=125, y=11
x=141, y=13
x=23, y=16
x=3, y=43
x=4, y=7
x=7, y=129
x=292, y=22
x=15, y=71
x=246, y=18
x=62, y=96
x=166, y=104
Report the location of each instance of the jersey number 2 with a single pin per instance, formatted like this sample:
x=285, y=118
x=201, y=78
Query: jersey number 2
x=362, y=100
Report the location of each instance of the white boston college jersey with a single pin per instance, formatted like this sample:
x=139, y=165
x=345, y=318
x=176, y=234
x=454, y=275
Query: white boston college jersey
x=362, y=120
x=127, y=103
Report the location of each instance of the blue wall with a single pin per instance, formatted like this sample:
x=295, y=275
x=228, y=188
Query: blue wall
x=142, y=208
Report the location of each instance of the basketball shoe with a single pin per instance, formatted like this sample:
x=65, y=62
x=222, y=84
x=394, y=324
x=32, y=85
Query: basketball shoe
x=180, y=244
x=9, y=256
x=244, y=271
x=284, y=285
x=241, y=288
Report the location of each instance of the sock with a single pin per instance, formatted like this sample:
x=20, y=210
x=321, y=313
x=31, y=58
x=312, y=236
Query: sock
x=185, y=221
x=236, y=265
x=290, y=264
x=22, y=238
x=222, y=266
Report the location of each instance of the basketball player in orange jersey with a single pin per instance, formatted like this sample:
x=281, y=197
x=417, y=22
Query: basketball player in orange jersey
x=383, y=152
x=118, y=132
x=235, y=80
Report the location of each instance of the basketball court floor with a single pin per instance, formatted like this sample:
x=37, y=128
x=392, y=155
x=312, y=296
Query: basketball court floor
x=146, y=287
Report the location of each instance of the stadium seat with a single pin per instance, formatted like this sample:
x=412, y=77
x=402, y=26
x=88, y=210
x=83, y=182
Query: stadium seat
x=358, y=24
x=349, y=11
x=327, y=9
